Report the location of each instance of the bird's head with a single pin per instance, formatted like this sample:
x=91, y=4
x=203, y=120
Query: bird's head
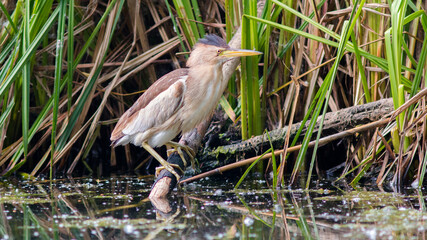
x=214, y=50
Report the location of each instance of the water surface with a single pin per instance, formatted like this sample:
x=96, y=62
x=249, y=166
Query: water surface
x=118, y=208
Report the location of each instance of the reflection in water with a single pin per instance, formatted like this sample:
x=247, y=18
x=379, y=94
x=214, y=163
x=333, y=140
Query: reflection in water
x=118, y=208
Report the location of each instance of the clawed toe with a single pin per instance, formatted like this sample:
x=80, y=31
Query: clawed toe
x=171, y=168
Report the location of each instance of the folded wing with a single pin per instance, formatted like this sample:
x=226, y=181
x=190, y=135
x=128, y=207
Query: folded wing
x=154, y=107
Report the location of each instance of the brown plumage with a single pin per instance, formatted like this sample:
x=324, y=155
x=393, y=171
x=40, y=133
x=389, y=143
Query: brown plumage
x=179, y=100
x=153, y=91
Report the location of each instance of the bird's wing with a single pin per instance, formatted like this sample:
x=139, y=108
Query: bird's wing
x=158, y=103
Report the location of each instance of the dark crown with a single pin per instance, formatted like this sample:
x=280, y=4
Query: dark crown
x=213, y=40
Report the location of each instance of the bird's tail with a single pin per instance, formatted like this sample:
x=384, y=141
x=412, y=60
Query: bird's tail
x=119, y=141
x=114, y=143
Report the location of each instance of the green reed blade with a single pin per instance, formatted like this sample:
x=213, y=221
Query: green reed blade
x=226, y=106
x=420, y=67
x=70, y=53
x=408, y=54
x=423, y=169
x=273, y=163
x=41, y=12
x=5, y=52
x=360, y=66
x=190, y=19
x=252, y=212
x=26, y=81
x=198, y=16
x=175, y=27
x=58, y=75
x=244, y=87
x=360, y=174
x=229, y=13
x=6, y=112
x=250, y=168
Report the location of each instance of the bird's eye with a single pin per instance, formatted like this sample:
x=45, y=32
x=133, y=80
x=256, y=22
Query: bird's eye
x=219, y=51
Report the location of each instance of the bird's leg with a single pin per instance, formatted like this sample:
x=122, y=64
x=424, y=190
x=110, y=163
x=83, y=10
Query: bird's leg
x=165, y=164
x=178, y=148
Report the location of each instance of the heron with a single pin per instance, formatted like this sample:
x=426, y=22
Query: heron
x=178, y=101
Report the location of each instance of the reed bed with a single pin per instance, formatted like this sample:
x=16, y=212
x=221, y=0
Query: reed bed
x=69, y=69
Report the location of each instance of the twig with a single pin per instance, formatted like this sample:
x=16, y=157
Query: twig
x=408, y=103
x=387, y=146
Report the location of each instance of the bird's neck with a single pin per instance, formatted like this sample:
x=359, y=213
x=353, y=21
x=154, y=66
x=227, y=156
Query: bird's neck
x=207, y=73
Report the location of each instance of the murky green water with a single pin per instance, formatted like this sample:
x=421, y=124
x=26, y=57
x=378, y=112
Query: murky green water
x=118, y=208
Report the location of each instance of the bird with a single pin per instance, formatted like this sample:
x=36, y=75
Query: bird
x=178, y=101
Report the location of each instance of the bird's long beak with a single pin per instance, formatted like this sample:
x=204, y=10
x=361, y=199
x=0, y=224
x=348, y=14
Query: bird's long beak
x=239, y=53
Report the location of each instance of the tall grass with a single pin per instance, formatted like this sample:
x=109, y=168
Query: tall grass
x=68, y=71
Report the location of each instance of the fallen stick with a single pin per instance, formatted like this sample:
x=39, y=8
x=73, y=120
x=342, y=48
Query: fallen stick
x=322, y=142
x=334, y=122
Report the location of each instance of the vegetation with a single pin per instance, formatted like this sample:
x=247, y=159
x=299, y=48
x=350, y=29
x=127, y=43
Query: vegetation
x=69, y=69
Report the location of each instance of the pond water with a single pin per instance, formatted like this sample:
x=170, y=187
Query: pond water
x=118, y=208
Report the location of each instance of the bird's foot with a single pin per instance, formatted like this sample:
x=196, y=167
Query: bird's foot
x=165, y=164
x=176, y=147
x=171, y=168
